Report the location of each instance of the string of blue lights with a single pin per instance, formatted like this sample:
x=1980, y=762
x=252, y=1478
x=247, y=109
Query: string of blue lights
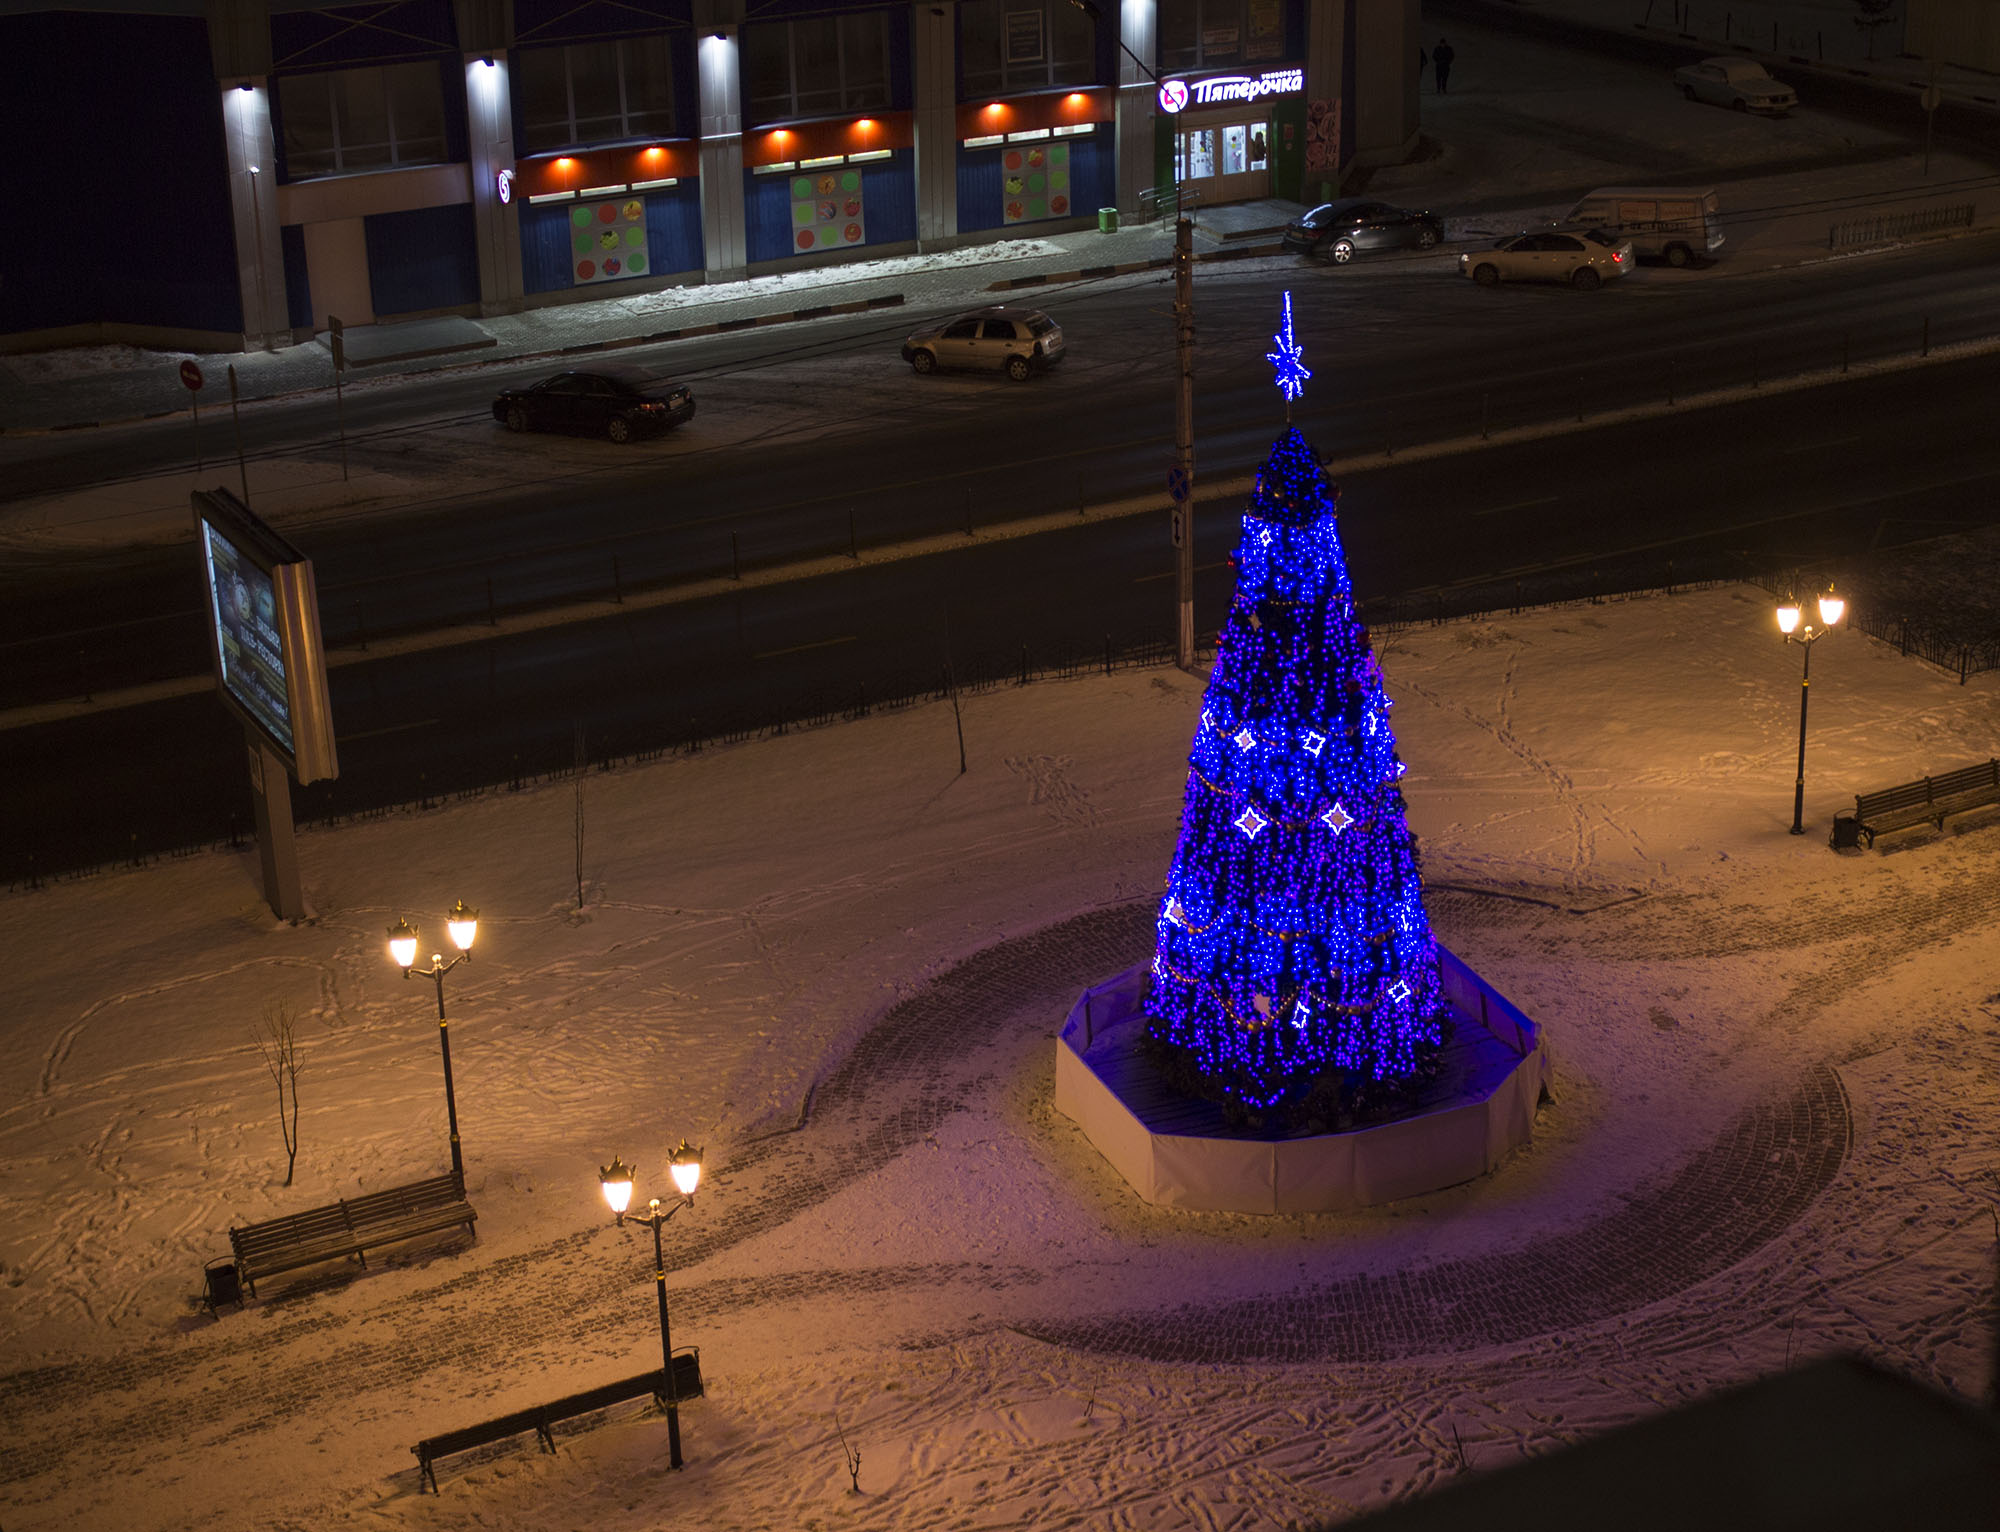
x=1293, y=941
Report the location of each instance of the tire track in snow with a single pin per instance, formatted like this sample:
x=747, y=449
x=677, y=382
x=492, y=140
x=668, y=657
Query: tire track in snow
x=929, y=1057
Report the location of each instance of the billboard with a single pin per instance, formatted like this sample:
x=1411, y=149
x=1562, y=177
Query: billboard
x=607, y=241
x=262, y=615
x=826, y=211
x=1034, y=179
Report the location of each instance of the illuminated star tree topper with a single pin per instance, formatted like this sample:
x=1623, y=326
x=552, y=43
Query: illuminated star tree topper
x=1289, y=360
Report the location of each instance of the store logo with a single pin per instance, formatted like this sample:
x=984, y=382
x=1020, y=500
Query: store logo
x=503, y=183
x=1176, y=95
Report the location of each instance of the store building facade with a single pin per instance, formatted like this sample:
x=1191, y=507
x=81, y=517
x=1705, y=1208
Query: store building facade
x=414, y=157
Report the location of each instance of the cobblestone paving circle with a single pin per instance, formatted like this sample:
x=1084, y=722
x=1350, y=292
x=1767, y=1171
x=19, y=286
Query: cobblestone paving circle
x=923, y=1061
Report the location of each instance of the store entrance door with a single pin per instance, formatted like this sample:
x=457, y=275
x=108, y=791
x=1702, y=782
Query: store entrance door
x=1224, y=161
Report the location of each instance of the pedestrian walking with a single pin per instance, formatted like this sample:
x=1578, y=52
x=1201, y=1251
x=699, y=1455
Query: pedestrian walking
x=1441, y=57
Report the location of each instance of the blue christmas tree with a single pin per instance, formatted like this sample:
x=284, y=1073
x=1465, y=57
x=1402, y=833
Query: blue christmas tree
x=1293, y=945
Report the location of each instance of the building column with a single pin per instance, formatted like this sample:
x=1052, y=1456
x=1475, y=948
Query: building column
x=719, y=70
x=1386, y=39
x=933, y=42
x=489, y=122
x=253, y=207
x=1326, y=63
x=1137, y=105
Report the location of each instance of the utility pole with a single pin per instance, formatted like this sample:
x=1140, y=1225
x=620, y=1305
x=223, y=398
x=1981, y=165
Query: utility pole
x=1182, y=479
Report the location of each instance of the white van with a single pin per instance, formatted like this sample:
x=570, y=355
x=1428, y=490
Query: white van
x=1681, y=224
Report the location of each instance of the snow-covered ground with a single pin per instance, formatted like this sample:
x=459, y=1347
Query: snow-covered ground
x=930, y=1261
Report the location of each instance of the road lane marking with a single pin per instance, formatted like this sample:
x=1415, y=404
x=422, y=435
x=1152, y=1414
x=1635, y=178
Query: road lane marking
x=1198, y=569
x=394, y=728
x=1517, y=505
x=824, y=643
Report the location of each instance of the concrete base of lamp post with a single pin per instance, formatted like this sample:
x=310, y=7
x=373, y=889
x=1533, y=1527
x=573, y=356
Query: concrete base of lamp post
x=1179, y=1152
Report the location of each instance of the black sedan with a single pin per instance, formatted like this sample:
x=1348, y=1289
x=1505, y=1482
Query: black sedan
x=1339, y=231
x=618, y=402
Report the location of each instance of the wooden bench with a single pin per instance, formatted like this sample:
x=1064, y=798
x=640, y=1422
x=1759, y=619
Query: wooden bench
x=350, y=1228
x=542, y=1418
x=1923, y=802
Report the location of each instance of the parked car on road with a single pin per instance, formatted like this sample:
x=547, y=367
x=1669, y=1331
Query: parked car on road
x=1015, y=341
x=1581, y=257
x=1339, y=231
x=1740, y=84
x=608, y=400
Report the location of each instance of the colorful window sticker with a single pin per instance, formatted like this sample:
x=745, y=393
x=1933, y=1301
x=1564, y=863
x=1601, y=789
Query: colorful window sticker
x=607, y=240
x=826, y=211
x=1034, y=182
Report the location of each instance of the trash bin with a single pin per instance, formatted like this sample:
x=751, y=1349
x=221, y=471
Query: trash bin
x=1107, y=220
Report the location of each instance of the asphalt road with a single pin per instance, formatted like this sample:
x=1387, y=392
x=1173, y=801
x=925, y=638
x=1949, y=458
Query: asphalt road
x=822, y=440
x=1821, y=477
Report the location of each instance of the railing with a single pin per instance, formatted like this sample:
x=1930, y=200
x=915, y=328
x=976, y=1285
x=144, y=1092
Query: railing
x=1866, y=231
x=1167, y=201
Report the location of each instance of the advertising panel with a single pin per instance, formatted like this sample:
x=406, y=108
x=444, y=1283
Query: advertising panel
x=1267, y=30
x=826, y=211
x=1035, y=182
x=262, y=612
x=1024, y=37
x=243, y=618
x=607, y=241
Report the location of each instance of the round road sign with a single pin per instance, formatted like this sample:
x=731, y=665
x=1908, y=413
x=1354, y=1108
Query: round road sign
x=1931, y=98
x=190, y=375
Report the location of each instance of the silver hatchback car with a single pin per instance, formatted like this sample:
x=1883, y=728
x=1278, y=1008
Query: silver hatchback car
x=1012, y=340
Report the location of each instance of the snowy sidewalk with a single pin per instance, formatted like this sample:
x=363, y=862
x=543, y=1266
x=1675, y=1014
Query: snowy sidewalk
x=837, y=964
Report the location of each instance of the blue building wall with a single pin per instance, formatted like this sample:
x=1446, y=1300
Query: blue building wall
x=673, y=239
x=982, y=177
x=888, y=206
x=422, y=259
x=146, y=237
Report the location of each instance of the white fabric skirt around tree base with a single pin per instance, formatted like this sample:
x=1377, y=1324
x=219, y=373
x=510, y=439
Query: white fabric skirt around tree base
x=1179, y=1152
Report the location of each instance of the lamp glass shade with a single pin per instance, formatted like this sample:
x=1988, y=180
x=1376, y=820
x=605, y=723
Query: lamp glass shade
x=463, y=924
x=617, y=1180
x=403, y=943
x=685, y=1168
x=1788, y=618
x=1830, y=608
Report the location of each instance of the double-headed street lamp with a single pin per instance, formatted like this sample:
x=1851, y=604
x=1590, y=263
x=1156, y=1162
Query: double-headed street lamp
x=685, y=1168
x=463, y=925
x=1800, y=629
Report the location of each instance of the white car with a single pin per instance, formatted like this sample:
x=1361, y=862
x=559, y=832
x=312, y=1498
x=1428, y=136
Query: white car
x=1015, y=341
x=1740, y=84
x=1583, y=258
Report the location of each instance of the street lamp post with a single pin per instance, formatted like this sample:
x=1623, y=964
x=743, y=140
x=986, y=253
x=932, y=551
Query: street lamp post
x=463, y=926
x=1801, y=630
x=685, y=1169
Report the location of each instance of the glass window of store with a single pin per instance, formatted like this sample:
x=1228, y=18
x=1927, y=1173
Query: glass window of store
x=341, y=121
x=817, y=67
x=594, y=93
x=1209, y=34
x=1016, y=45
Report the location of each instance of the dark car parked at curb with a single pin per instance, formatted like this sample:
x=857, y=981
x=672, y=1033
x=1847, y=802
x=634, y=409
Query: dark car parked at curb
x=618, y=402
x=1339, y=231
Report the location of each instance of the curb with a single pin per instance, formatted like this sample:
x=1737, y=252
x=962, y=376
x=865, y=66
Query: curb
x=1092, y=273
x=719, y=327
